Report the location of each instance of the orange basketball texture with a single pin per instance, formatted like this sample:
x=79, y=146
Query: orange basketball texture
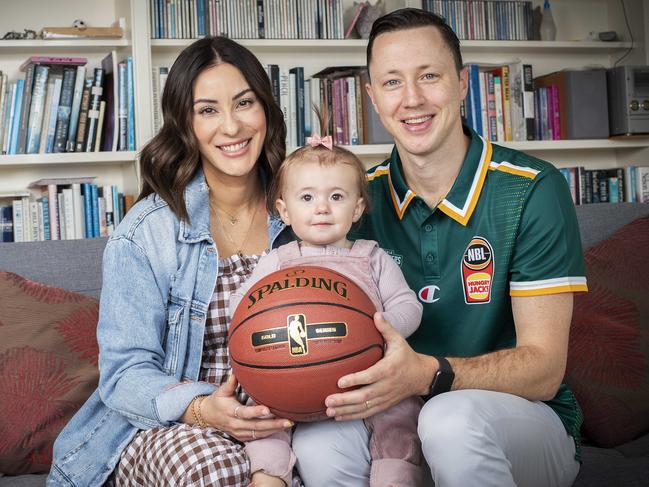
x=295, y=333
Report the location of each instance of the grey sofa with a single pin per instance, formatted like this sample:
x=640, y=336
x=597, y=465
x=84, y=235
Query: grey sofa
x=76, y=265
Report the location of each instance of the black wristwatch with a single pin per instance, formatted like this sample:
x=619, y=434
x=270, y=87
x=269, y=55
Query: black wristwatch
x=442, y=380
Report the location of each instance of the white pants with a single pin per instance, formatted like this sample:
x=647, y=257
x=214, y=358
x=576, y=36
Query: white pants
x=469, y=438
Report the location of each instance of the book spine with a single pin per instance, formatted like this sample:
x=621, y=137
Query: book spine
x=95, y=210
x=116, y=215
x=498, y=97
x=6, y=224
x=123, y=107
x=47, y=110
x=107, y=193
x=25, y=108
x=75, y=109
x=507, y=118
x=54, y=110
x=292, y=104
x=52, y=199
x=37, y=108
x=93, y=110
x=130, y=104
x=77, y=206
x=87, y=209
x=100, y=125
x=556, y=114
x=15, y=124
x=68, y=213
x=528, y=101
x=17, y=217
x=47, y=230
x=60, y=209
x=285, y=90
x=351, y=111
x=64, y=109
x=7, y=117
x=83, y=116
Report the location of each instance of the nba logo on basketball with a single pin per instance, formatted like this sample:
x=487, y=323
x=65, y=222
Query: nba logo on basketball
x=297, y=342
x=477, y=271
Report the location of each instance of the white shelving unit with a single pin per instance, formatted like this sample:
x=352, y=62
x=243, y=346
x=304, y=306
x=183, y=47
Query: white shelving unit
x=575, y=20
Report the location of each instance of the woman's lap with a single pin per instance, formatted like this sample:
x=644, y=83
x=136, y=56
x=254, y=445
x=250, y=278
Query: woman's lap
x=182, y=455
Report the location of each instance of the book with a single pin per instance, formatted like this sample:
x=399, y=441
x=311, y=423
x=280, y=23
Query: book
x=83, y=116
x=123, y=107
x=100, y=125
x=37, y=109
x=50, y=60
x=60, y=181
x=298, y=100
x=528, y=102
x=50, y=133
x=15, y=117
x=47, y=110
x=6, y=224
x=110, y=135
x=75, y=109
x=96, y=92
x=64, y=109
x=24, y=110
x=3, y=103
x=130, y=103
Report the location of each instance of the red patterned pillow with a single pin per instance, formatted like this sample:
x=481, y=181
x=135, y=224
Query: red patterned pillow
x=608, y=358
x=48, y=368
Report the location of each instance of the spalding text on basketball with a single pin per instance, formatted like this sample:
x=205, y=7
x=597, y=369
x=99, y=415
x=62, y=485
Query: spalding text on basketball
x=337, y=287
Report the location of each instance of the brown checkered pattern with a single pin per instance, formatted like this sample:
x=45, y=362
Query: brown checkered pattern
x=184, y=455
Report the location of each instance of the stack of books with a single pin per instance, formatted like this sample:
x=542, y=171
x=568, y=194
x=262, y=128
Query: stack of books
x=498, y=20
x=247, y=19
x=500, y=102
x=616, y=185
x=62, y=209
x=62, y=106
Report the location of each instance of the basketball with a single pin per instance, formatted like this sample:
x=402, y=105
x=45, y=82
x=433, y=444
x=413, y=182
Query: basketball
x=295, y=333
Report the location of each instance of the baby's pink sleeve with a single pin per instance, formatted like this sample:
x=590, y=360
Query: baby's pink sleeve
x=273, y=456
x=267, y=264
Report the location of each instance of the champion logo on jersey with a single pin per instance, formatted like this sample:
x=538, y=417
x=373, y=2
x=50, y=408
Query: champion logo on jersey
x=477, y=269
x=429, y=294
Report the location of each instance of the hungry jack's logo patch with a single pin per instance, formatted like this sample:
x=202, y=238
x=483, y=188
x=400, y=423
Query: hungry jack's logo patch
x=477, y=271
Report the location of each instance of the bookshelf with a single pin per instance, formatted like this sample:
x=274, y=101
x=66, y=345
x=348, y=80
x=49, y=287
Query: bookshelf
x=575, y=19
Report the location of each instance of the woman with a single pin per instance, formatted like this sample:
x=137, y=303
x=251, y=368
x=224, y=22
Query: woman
x=167, y=411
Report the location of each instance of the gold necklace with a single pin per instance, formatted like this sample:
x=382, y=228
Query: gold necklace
x=229, y=237
x=233, y=219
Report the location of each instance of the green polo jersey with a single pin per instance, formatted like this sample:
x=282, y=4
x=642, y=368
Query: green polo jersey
x=506, y=228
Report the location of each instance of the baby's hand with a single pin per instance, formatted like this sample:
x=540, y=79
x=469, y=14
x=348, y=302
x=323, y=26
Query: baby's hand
x=261, y=479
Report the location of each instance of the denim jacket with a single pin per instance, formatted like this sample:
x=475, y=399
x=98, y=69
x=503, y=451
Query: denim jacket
x=159, y=274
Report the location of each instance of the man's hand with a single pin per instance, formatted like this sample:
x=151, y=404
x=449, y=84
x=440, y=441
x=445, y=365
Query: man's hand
x=401, y=373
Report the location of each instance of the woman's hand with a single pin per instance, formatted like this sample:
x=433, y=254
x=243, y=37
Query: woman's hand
x=401, y=373
x=261, y=479
x=223, y=411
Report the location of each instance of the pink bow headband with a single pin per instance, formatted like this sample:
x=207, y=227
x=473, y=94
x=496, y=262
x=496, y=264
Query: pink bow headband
x=315, y=140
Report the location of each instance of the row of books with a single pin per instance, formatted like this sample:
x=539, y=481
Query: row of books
x=247, y=19
x=628, y=184
x=338, y=91
x=57, y=107
x=65, y=209
x=500, y=102
x=501, y=20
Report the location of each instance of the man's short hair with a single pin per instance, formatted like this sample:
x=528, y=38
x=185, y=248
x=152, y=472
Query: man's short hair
x=411, y=18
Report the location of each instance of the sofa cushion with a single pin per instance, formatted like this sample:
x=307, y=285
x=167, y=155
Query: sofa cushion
x=48, y=367
x=608, y=359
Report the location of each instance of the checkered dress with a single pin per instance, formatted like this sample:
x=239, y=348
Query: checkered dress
x=184, y=455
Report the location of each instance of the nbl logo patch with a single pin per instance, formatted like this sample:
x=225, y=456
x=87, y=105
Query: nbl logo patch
x=477, y=271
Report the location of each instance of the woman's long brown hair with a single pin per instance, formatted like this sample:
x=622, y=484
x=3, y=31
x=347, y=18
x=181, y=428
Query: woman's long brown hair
x=170, y=160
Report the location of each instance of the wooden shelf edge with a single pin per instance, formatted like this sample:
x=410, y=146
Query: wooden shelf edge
x=120, y=157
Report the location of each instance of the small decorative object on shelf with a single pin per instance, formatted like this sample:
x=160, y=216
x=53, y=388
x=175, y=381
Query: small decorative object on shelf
x=367, y=17
x=27, y=34
x=80, y=30
x=548, y=29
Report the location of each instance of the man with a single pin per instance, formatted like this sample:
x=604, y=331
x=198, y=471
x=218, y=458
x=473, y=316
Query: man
x=488, y=238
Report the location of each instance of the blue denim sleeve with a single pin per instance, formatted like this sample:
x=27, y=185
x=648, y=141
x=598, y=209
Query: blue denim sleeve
x=137, y=377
